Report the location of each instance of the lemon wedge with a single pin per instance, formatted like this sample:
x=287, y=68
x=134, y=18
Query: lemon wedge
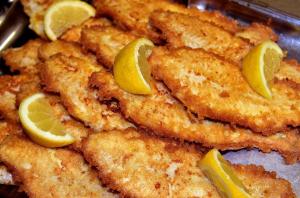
x=62, y=15
x=131, y=69
x=217, y=169
x=260, y=66
x=40, y=124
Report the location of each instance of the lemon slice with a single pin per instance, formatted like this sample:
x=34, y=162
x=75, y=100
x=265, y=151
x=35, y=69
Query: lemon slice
x=41, y=126
x=217, y=169
x=62, y=15
x=260, y=66
x=131, y=69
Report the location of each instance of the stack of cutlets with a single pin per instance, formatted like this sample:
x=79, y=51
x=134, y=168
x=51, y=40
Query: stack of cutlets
x=147, y=146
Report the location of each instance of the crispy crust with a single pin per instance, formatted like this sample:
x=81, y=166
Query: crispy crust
x=139, y=109
x=134, y=15
x=49, y=173
x=129, y=165
x=166, y=117
x=74, y=34
x=64, y=75
x=184, y=30
x=263, y=183
x=256, y=33
x=23, y=59
x=105, y=42
x=199, y=86
x=289, y=71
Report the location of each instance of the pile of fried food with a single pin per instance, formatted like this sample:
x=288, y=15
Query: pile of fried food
x=146, y=145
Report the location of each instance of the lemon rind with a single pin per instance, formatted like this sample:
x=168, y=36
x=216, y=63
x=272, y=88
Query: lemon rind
x=141, y=41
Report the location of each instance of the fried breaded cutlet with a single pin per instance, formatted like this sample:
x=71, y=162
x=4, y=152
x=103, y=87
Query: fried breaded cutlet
x=105, y=42
x=183, y=30
x=213, y=88
x=74, y=33
x=36, y=10
x=143, y=166
x=133, y=15
x=24, y=58
x=167, y=117
x=45, y=172
x=68, y=76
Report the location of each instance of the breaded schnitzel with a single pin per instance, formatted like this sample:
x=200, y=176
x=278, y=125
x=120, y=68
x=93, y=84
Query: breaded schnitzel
x=105, y=42
x=45, y=172
x=165, y=116
x=133, y=15
x=213, y=88
x=183, y=30
x=68, y=76
x=143, y=166
x=74, y=33
x=24, y=58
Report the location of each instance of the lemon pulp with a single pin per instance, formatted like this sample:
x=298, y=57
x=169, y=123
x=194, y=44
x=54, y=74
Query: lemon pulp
x=40, y=124
x=260, y=66
x=131, y=69
x=63, y=15
x=217, y=169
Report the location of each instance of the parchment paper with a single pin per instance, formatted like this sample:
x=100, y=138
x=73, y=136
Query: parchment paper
x=271, y=162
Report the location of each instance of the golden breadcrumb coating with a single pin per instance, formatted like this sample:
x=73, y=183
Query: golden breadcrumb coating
x=185, y=30
x=143, y=166
x=74, y=33
x=68, y=76
x=45, y=172
x=24, y=58
x=216, y=89
x=133, y=15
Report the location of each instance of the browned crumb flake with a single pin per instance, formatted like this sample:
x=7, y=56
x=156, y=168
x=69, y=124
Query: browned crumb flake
x=143, y=166
x=50, y=172
x=200, y=84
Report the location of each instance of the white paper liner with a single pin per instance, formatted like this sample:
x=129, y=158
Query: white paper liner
x=271, y=162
